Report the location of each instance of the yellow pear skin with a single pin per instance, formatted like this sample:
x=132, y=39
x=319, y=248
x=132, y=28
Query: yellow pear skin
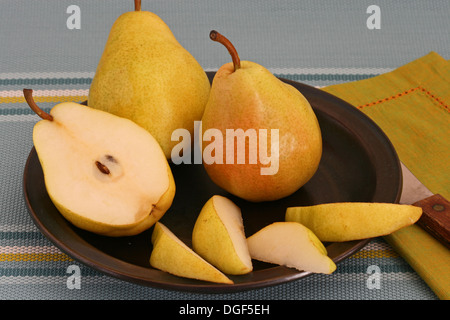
x=250, y=97
x=346, y=221
x=145, y=75
x=219, y=236
x=171, y=255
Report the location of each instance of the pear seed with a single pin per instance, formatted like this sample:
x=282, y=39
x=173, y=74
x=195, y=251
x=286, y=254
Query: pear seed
x=103, y=169
x=111, y=158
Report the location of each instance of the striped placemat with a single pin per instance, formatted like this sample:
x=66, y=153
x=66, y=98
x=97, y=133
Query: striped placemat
x=32, y=268
x=319, y=43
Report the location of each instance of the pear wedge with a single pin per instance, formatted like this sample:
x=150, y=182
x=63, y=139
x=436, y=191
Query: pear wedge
x=292, y=245
x=346, y=221
x=219, y=236
x=104, y=173
x=173, y=256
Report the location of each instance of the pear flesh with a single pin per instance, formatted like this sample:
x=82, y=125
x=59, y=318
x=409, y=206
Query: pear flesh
x=173, y=256
x=145, y=75
x=219, y=236
x=104, y=173
x=346, y=221
x=292, y=245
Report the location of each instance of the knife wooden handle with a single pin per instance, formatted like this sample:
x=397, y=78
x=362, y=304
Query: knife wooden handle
x=435, y=218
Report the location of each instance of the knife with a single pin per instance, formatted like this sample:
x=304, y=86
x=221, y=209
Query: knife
x=435, y=218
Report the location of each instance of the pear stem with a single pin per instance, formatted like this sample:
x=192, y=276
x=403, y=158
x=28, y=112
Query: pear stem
x=137, y=5
x=216, y=36
x=28, y=94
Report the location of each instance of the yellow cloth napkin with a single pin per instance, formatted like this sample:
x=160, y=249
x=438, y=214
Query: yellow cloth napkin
x=411, y=104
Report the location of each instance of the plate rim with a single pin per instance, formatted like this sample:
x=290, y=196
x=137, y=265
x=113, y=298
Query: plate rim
x=189, y=285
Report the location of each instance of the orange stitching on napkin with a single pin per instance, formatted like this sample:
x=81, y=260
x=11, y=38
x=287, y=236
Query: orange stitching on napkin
x=436, y=99
x=388, y=98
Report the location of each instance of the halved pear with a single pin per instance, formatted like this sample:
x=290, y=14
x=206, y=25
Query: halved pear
x=104, y=173
x=219, y=236
x=346, y=221
x=172, y=255
x=292, y=245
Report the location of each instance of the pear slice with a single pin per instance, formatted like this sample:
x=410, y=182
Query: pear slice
x=292, y=245
x=346, y=221
x=171, y=255
x=104, y=174
x=219, y=236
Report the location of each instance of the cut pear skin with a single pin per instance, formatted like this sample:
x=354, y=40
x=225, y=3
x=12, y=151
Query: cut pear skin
x=104, y=173
x=346, y=221
x=173, y=256
x=292, y=245
x=219, y=236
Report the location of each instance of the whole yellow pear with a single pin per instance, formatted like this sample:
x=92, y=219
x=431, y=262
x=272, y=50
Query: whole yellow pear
x=145, y=75
x=245, y=95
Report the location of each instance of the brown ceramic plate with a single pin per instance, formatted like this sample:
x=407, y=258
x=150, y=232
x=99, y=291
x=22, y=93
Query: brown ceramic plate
x=358, y=164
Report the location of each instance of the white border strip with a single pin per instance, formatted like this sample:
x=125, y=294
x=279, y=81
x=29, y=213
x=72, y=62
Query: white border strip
x=29, y=249
x=46, y=75
x=44, y=93
x=20, y=118
x=18, y=228
x=353, y=71
x=350, y=71
x=299, y=71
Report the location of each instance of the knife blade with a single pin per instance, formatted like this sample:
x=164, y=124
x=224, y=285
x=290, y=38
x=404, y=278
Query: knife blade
x=435, y=218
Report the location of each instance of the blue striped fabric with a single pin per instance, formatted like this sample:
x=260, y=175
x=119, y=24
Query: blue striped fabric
x=316, y=42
